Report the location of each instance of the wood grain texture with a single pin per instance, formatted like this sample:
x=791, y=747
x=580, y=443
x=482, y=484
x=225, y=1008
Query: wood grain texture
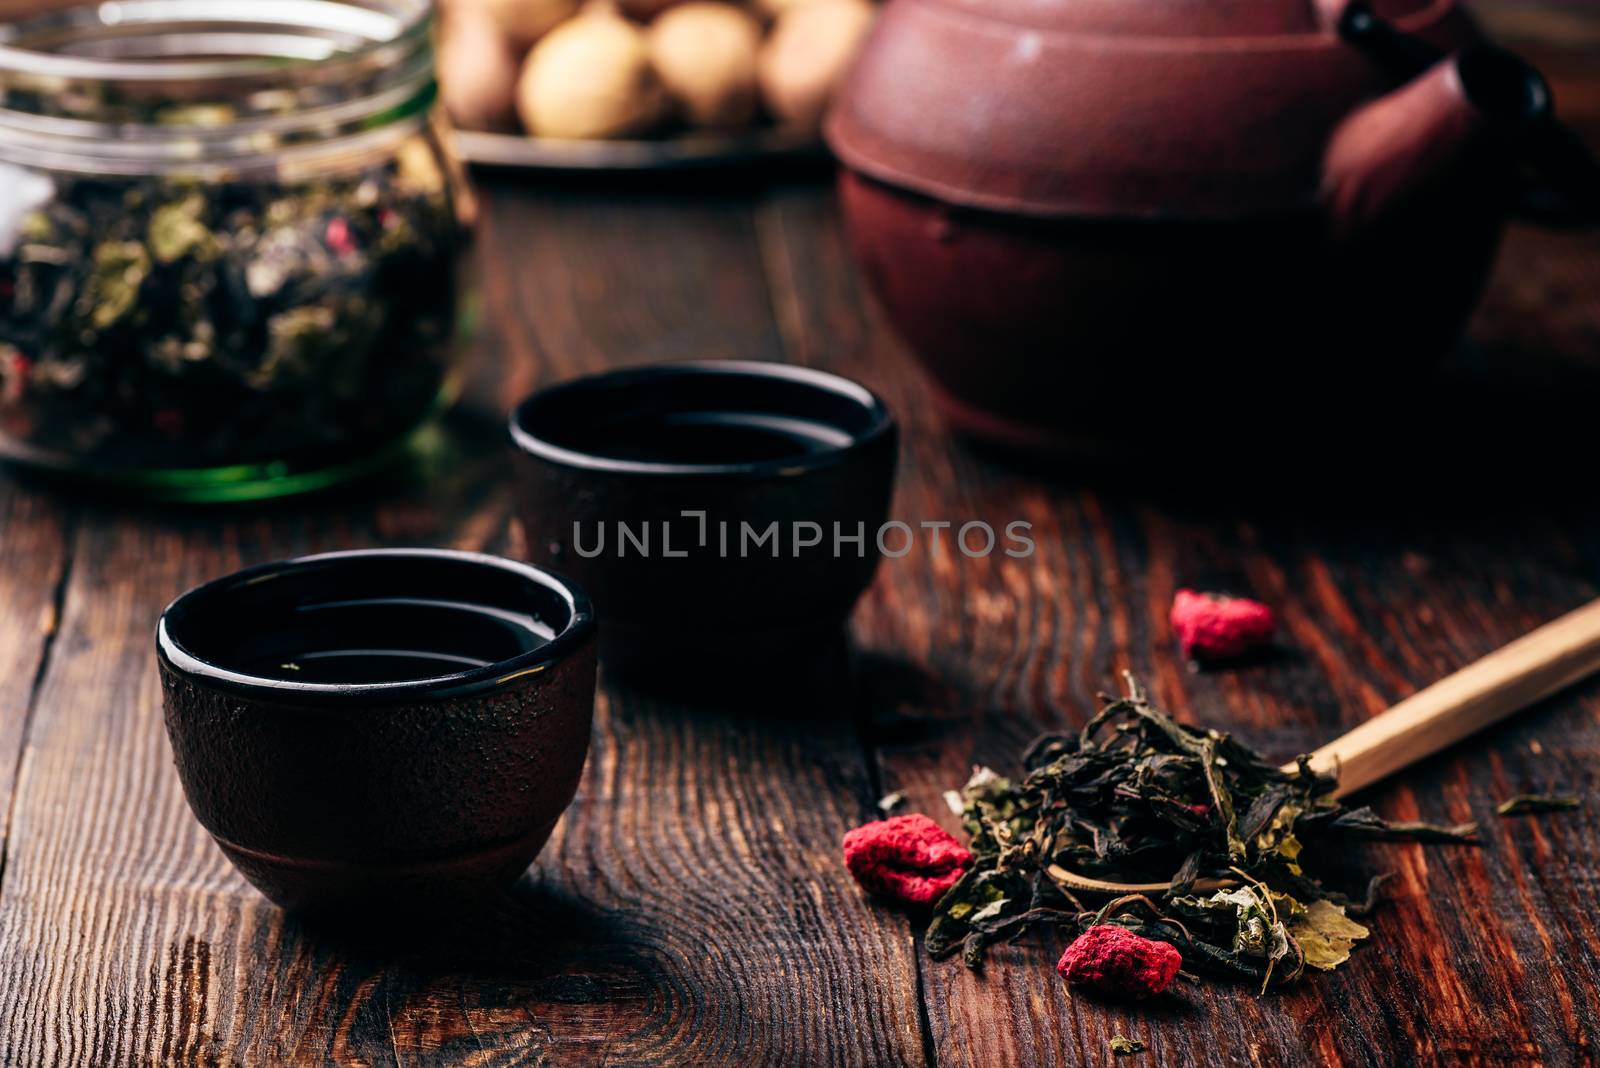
x=1523, y=672
x=33, y=566
x=691, y=908
x=1480, y=956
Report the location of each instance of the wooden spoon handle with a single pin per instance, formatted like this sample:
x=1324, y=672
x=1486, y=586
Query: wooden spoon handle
x=1509, y=679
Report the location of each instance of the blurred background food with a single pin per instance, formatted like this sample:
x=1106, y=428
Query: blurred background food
x=706, y=55
x=626, y=69
x=590, y=77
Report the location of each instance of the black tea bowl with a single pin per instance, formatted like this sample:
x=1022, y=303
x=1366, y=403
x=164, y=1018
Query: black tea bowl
x=725, y=515
x=382, y=729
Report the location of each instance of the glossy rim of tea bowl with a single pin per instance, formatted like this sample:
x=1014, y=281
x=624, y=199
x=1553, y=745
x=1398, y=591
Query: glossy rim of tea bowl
x=577, y=629
x=395, y=791
x=529, y=420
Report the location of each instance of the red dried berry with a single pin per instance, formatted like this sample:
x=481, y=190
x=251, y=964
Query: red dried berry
x=339, y=237
x=1212, y=626
x=14, y=368
x=1117, y=963
x=909, y=858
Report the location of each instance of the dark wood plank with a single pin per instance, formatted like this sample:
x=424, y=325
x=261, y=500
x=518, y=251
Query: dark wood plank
x=128, y=938
x=1480, y=955
x=709, y=835
x=689, y=908
x=33, y=566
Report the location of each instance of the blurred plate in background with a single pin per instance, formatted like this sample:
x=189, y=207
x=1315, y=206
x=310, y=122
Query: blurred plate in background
x=687, y=151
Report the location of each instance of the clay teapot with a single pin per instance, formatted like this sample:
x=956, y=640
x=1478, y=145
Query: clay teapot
x=1069, y=207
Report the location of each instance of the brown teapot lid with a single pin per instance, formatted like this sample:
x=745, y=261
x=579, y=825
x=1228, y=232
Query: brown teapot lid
x=1112, y=108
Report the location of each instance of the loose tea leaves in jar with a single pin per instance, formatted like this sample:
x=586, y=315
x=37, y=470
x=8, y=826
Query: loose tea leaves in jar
x=235, y=322
x=253, y=287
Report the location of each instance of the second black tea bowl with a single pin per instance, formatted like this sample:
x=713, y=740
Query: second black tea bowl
x=725, y=515
x=379, y=730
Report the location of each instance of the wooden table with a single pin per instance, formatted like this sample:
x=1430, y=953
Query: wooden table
x=692, y=907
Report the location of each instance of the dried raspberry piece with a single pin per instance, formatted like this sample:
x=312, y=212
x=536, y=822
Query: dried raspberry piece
x=908, y=858
x=14, y=368
x=339, y=237
x=1117, y=963
x=1212, y=626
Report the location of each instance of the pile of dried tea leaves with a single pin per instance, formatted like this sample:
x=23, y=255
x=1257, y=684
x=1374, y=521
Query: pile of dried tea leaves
x=172, y=321
x=1195, y=839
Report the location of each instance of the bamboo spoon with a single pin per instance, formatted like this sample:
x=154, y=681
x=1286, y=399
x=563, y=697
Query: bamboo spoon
x=1508, y=680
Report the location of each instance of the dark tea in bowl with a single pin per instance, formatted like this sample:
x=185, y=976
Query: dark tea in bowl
x=386, y=728
x=725, y=514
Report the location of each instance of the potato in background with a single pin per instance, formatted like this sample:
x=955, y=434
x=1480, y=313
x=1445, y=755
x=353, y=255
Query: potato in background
x=806, y=56
x=478, y=71
x=705, y=54
x=590, y=77
x=722, y=64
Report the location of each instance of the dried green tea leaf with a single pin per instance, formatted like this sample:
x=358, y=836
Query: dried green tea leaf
x=1222, y=799
x=1258, y=932
x=977, y=903
x=1278, y=837
x=991, y=910
x=1365, y=823
x=35, y=226
x=112, y=289
x=1326, y=935
x=1522, y=803
x=1139, y=805
x=167, y=322
x=1124, y=1046
x=176, y=230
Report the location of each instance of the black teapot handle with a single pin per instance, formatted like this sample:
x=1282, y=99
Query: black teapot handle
x=1561, y=177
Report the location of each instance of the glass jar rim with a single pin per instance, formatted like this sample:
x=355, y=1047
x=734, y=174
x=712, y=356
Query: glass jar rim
x=163, y=86
x=380, y=25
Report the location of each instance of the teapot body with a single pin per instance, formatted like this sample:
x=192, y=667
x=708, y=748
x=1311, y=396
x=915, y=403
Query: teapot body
x=1059, y=219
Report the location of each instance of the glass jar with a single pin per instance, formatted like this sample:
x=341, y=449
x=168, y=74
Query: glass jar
x=230, y=242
